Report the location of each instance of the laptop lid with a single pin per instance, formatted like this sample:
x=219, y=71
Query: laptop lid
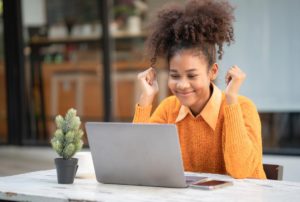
x=136, y=154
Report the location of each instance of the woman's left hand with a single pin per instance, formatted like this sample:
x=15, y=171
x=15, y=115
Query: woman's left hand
x=234, y=79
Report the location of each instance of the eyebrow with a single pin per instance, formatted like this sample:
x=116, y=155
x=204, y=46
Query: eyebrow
x=188, y=71
x=191, y=70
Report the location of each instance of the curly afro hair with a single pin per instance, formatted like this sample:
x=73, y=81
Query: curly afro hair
x=201, y=25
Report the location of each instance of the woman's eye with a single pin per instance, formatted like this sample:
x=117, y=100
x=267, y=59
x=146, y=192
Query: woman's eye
x=175, y=76
x=192, y=76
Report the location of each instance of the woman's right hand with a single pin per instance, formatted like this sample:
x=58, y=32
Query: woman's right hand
x=149, y=86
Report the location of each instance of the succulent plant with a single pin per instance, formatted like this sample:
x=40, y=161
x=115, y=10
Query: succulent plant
x=67, y=138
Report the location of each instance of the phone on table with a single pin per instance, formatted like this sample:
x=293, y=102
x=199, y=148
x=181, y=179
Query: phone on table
x=194, y=179
x=211, y=184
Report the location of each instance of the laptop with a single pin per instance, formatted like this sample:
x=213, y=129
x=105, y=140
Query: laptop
x=137, y=154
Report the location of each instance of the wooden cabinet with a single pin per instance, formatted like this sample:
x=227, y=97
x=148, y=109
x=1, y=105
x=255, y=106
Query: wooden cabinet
x=79, y=85
x=73, y=85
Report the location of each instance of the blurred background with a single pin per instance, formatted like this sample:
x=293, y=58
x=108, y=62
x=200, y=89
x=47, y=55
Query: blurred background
x=57, y=54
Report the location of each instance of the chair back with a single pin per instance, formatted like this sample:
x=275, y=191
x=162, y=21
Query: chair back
x=273, y=171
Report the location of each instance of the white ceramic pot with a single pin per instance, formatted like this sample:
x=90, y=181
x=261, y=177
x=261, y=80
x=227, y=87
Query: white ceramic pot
x=134, y=25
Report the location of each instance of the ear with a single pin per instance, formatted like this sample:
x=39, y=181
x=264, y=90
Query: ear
x=213, y=72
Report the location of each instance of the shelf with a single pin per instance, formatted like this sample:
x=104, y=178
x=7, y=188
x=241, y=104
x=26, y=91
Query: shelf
x=41, y=41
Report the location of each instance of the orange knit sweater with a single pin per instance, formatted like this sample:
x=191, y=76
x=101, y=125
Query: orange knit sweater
x=233, y=147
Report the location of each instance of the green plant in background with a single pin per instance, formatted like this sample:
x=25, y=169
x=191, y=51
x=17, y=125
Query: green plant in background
x=67, y=139
x=124, y=11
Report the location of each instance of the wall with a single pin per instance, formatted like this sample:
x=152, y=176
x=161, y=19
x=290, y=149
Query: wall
x=267, y=48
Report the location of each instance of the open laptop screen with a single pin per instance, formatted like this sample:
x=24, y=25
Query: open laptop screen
x=136, y=154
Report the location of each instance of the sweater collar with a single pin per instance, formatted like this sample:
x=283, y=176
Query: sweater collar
x=209, y=113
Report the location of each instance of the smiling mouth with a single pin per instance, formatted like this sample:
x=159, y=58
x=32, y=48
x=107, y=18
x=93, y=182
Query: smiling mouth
x=184, y=93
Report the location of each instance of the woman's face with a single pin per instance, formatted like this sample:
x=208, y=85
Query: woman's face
x=189, y=79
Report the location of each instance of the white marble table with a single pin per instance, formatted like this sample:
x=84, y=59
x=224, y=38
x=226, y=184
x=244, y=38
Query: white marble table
x=42, y=186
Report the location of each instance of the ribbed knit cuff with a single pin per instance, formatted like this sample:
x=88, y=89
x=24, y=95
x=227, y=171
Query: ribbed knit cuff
x=142, y=114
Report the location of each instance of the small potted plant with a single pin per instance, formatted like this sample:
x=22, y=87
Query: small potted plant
x=66, y=141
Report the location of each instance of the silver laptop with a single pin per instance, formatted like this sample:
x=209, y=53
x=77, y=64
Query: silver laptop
x=137, y=154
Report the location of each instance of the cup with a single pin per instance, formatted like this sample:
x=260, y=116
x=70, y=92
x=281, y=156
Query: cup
x=85, y=165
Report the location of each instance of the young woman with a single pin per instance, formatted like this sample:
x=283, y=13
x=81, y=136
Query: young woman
x=219, y=132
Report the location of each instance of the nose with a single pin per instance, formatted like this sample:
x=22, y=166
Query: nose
x=182, y=84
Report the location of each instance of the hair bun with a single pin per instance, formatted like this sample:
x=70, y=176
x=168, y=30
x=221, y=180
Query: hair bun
x=199, y=22
x=212, y=20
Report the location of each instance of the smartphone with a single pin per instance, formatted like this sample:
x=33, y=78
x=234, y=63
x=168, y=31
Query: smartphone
x=211, y=184
x=194, y=179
